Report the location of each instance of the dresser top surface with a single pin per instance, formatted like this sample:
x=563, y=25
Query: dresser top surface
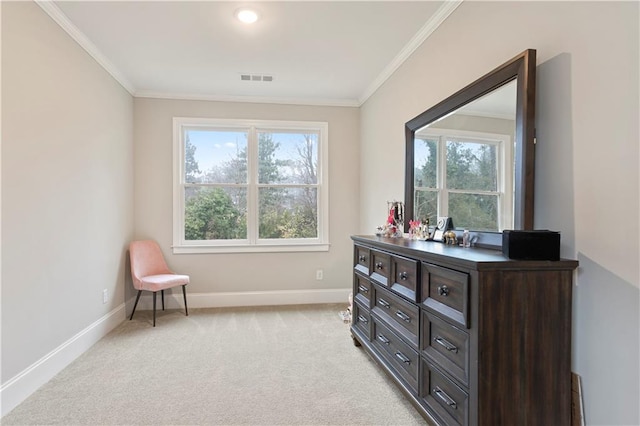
x=478, y=257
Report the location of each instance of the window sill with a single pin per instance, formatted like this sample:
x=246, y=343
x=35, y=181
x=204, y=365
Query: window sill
x=275, y=248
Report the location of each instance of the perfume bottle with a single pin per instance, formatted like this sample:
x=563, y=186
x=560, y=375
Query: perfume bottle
x=466, y=239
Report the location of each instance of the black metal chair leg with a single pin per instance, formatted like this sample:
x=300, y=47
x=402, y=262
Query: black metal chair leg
x=184, y=294
x=135, y=304
x=154, y=308
x=162, y=291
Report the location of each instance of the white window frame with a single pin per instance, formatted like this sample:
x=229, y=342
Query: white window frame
x=252, y=243
x=505, y=175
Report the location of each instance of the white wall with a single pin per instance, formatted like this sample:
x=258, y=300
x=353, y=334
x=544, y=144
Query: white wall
x=67, y=197
x=586, y=164
x=219, y=279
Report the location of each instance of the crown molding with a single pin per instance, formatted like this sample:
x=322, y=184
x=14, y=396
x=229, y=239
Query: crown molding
x=248, y=99
x=427, y=29
x=61, y=19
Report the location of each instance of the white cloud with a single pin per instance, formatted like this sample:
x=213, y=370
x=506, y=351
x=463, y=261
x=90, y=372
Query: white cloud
x=230, y=145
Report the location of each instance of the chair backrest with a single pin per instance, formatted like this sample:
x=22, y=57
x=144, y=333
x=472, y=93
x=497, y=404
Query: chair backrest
x=146, y=259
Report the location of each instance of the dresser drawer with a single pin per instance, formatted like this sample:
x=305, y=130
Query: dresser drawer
x=405, y=277
x=380, y=267
x=443, y=396
x=446, y=345
x=446, y=291
x=361, y=259
x=400, y=356
x=362, y=289
x=361, y=320
x=399, y=314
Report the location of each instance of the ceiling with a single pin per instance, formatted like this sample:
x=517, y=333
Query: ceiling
x=318, y=52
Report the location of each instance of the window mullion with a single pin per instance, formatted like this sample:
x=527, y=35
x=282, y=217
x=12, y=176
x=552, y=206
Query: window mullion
x=253, y=215
x=443, y=194
x=252, y=192
x=505, y=172
x=473, y=191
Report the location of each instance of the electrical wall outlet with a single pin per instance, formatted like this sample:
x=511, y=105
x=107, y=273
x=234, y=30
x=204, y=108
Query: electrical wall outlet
x=105, y=296
x=319, y=274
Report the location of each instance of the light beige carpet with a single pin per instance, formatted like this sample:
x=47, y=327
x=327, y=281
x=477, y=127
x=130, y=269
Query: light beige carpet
x=292, y=365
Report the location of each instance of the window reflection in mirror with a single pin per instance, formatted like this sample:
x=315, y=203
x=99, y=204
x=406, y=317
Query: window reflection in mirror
x=464, y=165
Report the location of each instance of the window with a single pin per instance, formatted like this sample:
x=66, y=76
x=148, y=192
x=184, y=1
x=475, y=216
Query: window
x=250, y=185
x=458, y=174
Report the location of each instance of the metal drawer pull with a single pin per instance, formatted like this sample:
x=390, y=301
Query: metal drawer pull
x=362, y=319
x=384, y=303
x=363, y=289
x=403, y=275
x=383, y=339
x=448, y=346
x=443, y=291
x=379, y=265
x=361, y=258
x=404, y=317
x=402, y=357
x=444, y=397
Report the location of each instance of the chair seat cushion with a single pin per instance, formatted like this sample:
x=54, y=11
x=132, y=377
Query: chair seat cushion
x=163, y=281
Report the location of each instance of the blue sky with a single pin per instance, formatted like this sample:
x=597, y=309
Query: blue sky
x=215, y=147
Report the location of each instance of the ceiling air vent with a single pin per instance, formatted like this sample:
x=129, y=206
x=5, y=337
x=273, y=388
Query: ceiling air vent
x=256, y=77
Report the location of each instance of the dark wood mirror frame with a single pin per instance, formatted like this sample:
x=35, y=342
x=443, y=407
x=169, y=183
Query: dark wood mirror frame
x=522, y=68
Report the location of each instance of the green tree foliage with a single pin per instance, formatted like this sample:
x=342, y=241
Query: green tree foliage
x=426, y=201
x=426, y=176
x=191, y=168
x=308, y=166
x=301, y=223
x=474, y=211
x=211, y=215
x=271, y=200
x=291, y=219
x=268, y=163
x=471, y=166
x=304, y=223
x=426, y=206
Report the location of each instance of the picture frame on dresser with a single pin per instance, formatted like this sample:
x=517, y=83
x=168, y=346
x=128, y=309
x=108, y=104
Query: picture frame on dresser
x=443, y=224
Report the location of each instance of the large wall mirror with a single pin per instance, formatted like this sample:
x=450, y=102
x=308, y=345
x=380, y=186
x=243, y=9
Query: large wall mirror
x=471, y=156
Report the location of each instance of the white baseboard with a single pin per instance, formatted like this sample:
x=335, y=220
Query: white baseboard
x=248, y=298
x=18, y=388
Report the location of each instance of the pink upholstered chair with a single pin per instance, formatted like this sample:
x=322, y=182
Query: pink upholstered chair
x=150, y=272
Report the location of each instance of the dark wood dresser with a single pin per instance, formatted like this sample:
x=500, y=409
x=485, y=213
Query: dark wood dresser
x=470, y=336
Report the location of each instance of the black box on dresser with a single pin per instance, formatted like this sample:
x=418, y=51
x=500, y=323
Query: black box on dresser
x=470, y=336
x=531, y=245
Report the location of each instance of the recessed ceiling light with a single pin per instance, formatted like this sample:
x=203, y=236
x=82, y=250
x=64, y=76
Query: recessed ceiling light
x=248, y=16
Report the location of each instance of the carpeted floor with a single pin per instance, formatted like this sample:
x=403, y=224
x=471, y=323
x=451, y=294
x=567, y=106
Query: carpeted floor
x=291, y=365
